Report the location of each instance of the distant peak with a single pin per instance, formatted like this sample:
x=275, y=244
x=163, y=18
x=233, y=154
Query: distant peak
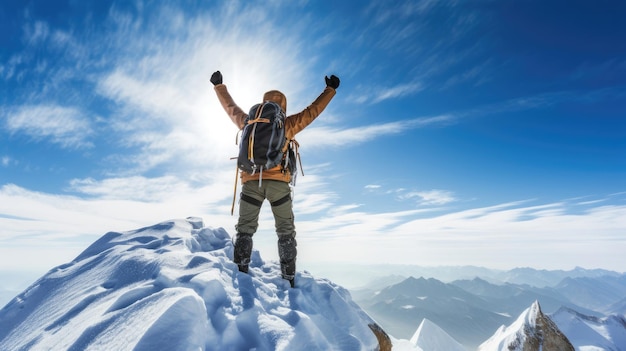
x=429, y=336
x=531, y=331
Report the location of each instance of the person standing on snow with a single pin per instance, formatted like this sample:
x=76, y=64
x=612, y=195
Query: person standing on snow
x=274, y=184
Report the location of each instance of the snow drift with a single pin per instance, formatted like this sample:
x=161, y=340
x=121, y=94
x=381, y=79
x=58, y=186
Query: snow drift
x=172, y=286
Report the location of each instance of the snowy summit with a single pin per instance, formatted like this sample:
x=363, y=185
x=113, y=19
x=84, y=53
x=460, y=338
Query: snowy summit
x=532, y=330
x=429, y=336
x=173, y=286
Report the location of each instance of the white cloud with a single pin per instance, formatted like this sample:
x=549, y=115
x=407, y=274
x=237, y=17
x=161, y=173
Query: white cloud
x=335, y=136
x=430, y=197
x=374, y=96
x=503, y=236
x=65, y=126
x=397, y=91
x=134, y=187
x=512, y=234
x=59, y=227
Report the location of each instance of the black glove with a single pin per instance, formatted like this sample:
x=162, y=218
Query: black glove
x=332, y=82
x=216, y=78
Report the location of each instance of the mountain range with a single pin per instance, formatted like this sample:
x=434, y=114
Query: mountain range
x=471, y=310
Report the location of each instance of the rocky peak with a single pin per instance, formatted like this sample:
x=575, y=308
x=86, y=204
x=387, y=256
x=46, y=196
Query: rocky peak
x=532, y=331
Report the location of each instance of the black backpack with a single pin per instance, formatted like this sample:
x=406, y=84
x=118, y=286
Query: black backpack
x=262, y=145
x=263, y=140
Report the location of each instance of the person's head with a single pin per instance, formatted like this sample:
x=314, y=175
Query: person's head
x=277, y=97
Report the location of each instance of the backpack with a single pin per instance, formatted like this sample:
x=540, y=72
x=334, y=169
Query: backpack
x=263, y=141
x=263, y=144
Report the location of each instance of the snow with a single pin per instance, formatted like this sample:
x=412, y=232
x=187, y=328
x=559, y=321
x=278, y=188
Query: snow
x=585, y=333
x=406, y=345
x=429, y=336
x=588, y=333
x=513, y=334
x=173, y=286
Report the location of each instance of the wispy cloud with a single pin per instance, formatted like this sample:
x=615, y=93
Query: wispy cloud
x=36, y=32
x=506, y=235
x=335, y=136
x=66, y=126
x=166, y=107
x=424, y=198
x=58, y=227
x=134, y=187
x=430, y=197
x=503, y=235
x=437, y=53
x=396, y=92
x=477, y=75
x=150, y=70
x=373, y=186
x=377, y=95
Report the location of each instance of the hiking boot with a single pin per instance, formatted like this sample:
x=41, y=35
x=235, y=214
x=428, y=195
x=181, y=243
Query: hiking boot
x=287, y=252
x=243, y=251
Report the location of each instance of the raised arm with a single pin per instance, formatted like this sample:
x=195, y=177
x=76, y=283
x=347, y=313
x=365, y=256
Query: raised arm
x=236, y=114
x=295, y=123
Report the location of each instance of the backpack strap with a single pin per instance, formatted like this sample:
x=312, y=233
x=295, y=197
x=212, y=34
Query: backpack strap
x=259, y=120
x=257, y=116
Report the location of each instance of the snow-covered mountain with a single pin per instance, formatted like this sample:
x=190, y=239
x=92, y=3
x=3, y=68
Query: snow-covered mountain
x=594, y=293
x=399, y=308
x=592, y=333
x=566, y=329
x=549, y=278
x=172, y=286
x=512, y=299
x=532, y=330
x=429, y=336
x=471, y=310
x=361, y=276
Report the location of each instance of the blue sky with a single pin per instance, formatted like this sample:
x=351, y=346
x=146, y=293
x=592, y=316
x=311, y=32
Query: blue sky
x=487, y=133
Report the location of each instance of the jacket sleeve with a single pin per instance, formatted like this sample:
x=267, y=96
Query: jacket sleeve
x=295, y=123
x=235, y=113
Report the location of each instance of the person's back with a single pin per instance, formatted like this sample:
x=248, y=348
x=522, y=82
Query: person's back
x=271, y=184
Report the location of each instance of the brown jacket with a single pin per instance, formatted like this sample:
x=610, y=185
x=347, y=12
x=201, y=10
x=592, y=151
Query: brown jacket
x=293, y=124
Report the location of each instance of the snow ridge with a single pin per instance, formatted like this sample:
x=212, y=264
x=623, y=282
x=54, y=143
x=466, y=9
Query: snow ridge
x=172, y=286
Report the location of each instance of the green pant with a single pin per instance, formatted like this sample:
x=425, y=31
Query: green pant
x=279, y=196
